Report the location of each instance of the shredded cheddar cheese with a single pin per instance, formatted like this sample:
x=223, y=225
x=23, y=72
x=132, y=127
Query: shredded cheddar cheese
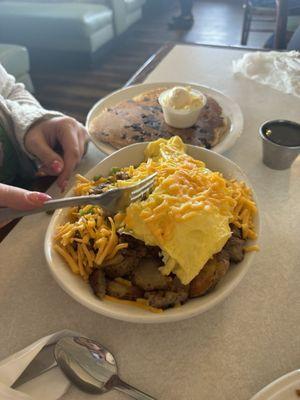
x=87, y=241
x=247, y=249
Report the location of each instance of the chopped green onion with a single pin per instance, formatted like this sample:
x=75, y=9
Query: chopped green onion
x=96, y=177
x=89, y=211
x=114, y=170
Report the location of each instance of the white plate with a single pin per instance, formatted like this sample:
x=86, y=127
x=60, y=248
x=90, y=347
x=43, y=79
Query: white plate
x=80, y=291
x=283, y=388
x=230, y=108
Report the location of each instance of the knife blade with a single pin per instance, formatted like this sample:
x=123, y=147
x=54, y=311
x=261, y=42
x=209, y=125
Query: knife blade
x=43, y=362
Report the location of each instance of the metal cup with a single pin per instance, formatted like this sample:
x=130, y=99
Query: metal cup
x=277, y=156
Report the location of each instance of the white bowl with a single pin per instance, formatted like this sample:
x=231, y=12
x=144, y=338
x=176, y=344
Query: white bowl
x=80, y=291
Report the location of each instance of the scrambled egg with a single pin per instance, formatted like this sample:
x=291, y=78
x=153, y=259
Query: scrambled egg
x=188, y=213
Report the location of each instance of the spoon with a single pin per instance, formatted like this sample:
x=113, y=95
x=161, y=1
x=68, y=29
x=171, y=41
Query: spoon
x=91, y=367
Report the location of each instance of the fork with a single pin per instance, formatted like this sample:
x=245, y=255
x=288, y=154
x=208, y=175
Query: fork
x=111, y=202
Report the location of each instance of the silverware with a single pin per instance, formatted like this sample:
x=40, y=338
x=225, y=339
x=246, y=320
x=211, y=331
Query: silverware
x=91, y=367
x=111, y=201
x=43, y=362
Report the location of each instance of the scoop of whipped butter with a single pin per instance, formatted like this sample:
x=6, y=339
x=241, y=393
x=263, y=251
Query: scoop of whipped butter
x=181, y=98
x=181, y=106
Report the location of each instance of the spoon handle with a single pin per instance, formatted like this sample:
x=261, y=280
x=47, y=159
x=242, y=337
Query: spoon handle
x=123, y=387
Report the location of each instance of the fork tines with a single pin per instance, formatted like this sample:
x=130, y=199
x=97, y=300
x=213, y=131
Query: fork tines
x=142, y=188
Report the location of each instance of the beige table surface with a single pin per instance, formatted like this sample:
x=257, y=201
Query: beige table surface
x=231, y=351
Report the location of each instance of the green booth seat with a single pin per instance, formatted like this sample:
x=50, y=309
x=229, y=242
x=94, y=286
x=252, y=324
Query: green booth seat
x=126, y=12
x=62, y=26
x=15, y=60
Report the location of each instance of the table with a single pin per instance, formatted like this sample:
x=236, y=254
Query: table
x=231, y=351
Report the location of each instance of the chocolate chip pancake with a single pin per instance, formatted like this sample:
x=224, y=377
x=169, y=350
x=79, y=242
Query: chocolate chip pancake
x=141, y=120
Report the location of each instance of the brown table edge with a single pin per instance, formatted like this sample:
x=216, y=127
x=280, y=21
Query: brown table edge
x=152, y=62
x=157, y=57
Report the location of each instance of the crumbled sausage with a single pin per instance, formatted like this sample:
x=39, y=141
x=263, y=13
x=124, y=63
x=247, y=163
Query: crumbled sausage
x=97, y=281
x=121, y=265
x=234, y=248
x=138, y=248
x=99, y=188
x=236, y=232
x=126, y=260
x=122, y=176
x=166, y=298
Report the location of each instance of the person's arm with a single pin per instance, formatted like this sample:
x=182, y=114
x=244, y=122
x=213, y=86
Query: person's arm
x=35, y=132
x=19, y=110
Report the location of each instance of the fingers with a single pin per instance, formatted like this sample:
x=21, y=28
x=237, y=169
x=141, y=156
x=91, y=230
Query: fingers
x=54, y=169
x=21, y=199
x=36, y=143
x=42, y=138
x=72, y=138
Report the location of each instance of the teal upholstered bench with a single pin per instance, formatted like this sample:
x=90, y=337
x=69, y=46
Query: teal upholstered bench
x=61, y=26
x=15, y=60
x=126, y=12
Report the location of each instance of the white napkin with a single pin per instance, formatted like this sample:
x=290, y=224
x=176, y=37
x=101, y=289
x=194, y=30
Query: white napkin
x=42, y=387
x=280, y=70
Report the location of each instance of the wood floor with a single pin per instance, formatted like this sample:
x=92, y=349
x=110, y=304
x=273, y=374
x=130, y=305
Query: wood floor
x=75, y=91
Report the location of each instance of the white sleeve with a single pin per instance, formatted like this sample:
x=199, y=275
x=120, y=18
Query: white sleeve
x=19, y=110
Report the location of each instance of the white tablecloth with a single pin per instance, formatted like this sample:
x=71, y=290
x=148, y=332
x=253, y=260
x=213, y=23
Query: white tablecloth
x=231, y=351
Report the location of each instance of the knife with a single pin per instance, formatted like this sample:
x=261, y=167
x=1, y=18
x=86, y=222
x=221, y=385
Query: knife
x=43, y=362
